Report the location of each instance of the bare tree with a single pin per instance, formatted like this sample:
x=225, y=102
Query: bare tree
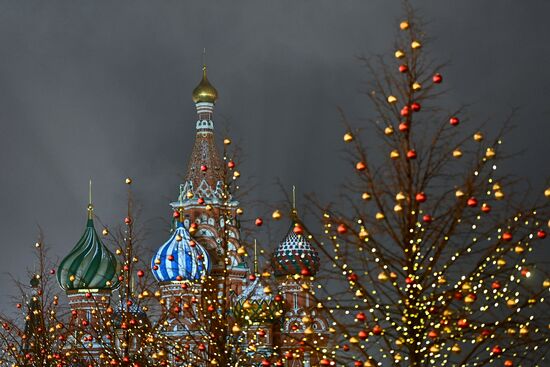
x=433, y=242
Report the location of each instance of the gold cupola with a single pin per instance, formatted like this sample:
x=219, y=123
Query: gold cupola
x=205, y=92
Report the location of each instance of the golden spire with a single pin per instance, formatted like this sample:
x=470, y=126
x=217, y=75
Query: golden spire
x=205, y=92
x=90, y=206
x=255, y=257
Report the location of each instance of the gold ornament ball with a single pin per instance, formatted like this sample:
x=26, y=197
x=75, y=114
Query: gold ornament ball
x=363, y=233
x=392, y=99
x=404, y=25
x=227, y=141
x=416, y=45
x=417, y=86
x=366, y=196
x=105, y=232
x=399, y=54
x=547, y=193
x=388, y=130
x=348, y=137
x=478, y=136
x=457, y=153
x=276, y=214
x=128, y=181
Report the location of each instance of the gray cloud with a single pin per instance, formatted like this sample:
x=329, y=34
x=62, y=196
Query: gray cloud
x=102, y=90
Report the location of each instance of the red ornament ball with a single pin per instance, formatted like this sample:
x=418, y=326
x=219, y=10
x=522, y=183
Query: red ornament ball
x=377, y=330
x=259, y=222
x=485, y=208
x=405, y=111
x=421, y=197
x=411, y=154
x=403, y=68
x=427, y=218
x=403, y=127
x=472, y=202
x=415, y=107
x=360, y=166
x=454, y=121
x=231, y=164
x=140, y=273
x=342, y=228
x=541, y=234
x=204, y=168
x=437, y=78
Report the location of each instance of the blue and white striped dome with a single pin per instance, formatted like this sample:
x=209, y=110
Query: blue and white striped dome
x=180, y=258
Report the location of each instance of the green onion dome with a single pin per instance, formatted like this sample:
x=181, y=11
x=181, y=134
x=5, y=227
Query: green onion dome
x=256, y=306
x=295, y=255
x=90, y=265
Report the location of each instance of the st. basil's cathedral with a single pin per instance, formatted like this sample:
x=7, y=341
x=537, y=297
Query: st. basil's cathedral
x=213, y=301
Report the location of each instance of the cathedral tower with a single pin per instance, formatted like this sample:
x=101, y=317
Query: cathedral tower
x=303, y=330
x=88, y=274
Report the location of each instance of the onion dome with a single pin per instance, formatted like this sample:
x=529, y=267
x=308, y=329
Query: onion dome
x=90, y=265
x=130, y=317
x=180, y=258
x=205, y=92
x=295, y=255
x=256, y=304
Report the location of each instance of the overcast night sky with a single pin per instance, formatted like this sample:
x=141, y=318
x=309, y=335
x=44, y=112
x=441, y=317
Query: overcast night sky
x=102, y=90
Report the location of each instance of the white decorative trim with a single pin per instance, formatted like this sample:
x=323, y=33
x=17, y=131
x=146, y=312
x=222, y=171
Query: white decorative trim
x=205, y=125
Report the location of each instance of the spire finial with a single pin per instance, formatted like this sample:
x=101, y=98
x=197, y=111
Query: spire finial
x=293, y=197
x=204, y=92
x=255, y=257
x=294, y=211
x=90, y=206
